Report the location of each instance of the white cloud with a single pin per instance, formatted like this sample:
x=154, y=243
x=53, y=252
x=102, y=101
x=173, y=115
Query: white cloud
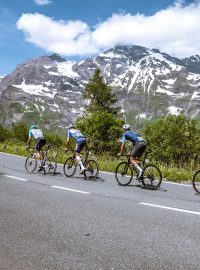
x=42, y=2
x=174, y=30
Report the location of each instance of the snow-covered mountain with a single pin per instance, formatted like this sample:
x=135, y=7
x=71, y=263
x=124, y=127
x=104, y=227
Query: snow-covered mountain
x=148, y=84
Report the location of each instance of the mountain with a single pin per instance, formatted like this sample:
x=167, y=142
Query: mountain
x=148, y=84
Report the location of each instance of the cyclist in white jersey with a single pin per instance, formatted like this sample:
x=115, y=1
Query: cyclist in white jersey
x=80, y=141
x=37, y=134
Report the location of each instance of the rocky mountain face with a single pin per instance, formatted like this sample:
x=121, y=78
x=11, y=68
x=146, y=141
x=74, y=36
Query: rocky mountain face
x=148, y=84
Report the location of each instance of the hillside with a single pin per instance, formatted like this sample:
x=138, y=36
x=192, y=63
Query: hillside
x=148, y=84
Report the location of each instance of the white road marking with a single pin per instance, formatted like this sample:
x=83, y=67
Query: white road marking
x=171, y=208
x=12, y=155
x=17, y=178
x=69, y=189
x=174, y=183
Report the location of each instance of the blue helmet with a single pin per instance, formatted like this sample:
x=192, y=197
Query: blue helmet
x=33, y=126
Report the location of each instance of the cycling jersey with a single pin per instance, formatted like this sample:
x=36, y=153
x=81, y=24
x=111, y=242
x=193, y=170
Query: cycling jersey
x=36, y=133
x=131, y=136
x=76, y=134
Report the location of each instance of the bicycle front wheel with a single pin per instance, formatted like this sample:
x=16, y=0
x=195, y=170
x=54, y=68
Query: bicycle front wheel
x=196, y=181
x=69, y=167
x=91, y=170
x=50, y=165
x=30, y=164
x=123, y=174
x=152, y=176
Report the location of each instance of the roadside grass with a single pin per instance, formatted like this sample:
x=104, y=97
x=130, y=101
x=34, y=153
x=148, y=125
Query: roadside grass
x=106, y=163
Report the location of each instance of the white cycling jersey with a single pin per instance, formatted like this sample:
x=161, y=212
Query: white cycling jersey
x=36, y=133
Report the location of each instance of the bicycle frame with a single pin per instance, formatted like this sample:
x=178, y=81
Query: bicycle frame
x=45, y=151
x=143, y=160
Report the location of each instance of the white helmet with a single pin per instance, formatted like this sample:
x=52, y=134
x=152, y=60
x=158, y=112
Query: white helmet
x=126, y=127
x=70, y=126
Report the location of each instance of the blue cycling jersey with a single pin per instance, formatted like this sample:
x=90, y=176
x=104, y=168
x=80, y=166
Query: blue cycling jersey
x=76, y=134
x=131, y=136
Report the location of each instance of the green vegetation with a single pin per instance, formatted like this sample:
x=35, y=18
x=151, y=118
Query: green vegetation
x=173, y=140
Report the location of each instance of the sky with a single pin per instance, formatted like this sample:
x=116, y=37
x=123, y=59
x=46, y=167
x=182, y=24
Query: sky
x=78, y=29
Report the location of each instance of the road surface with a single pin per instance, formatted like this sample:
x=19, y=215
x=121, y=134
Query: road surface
x=53, y=222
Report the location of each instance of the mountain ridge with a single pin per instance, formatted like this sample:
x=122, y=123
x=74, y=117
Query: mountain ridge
x=148, y=84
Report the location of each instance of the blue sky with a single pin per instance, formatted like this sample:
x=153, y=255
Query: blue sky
x=78, y=29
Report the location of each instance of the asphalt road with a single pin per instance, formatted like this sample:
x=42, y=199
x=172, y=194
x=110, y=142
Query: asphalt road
x=52, y=222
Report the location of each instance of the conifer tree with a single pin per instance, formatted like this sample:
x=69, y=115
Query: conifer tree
x=101, y=119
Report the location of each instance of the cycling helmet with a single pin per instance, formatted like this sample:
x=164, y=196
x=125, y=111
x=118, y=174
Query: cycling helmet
x=71, y=126
x=33, y=126
x=126, y=127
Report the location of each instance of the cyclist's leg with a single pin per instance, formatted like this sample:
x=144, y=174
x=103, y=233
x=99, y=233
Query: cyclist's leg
x=42, y=144
x=37, y=149
x=39, y=146
x=136, y=153
x=78, y=149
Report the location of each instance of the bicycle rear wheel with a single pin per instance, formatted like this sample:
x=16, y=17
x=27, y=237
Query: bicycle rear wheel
x=91, y=170
x=124, y=174
x=50, y=165
x=30, y=164
x=152, y=176
x=69, y=167
x=196, y=181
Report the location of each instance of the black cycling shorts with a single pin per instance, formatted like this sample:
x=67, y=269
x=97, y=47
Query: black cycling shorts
x=40, y=143
x=80, y=145
x=138, y=149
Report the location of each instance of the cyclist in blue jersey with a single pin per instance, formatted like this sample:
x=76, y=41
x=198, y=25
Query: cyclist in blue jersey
x=139, y=146
x=37, y=134
x=80, y=140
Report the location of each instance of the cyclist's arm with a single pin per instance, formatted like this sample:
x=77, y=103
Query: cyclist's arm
x=121, y=148
x=123, y=140
x=68, y=140
x=29, y=138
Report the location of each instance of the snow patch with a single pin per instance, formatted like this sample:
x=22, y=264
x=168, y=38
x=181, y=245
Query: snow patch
x=174, y=110
x=65, y=69
x=196, y=95
x=33, y=89
x=141, y=115
x=170, y=81
x=193, y=76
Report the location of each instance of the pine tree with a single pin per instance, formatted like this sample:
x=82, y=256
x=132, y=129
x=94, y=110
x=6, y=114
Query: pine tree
x=100, y=95
x=101, y=119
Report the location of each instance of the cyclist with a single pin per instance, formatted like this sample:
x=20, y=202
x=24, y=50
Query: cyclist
x=139, y=146
x=80, y=141
x=37, y=134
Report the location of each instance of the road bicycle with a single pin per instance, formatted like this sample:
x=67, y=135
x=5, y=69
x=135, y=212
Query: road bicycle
x=125, y=172
x=91, y=166
x=49, y=163
x=196, y=181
